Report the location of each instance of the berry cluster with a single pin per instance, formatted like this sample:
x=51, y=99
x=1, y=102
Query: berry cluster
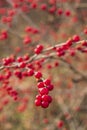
x=27, y=66
x=43, y=99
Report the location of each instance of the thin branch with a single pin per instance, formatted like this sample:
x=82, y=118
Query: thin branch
x=81, y=5
x=75, y=70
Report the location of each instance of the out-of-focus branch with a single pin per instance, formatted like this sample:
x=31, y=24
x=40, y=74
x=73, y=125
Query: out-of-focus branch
x=52, y=54
x=72, y=67
x=10, y=30
x=81, y=5
x=23, y=15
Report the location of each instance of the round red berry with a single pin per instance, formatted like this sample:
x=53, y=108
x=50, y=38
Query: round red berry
x=38, y=75
x=44, y=104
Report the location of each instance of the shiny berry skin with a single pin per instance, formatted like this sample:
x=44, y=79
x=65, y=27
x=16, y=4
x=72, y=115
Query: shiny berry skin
x=18, y=73
x=38, y=75
x=44, y=104
x=50, y=87
x=76, y=38
x=30, y=72
x=47, y=98
x=47, y=82
x=22, y=65
x=19, y=59
x=40, y=85
x=38, y=49
x=38, y=102
x=26, y=57
x=39, y=97
x=84, y=43
x=43, y=91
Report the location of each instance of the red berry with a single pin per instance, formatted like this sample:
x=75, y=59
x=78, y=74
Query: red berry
x=18, y=73
x=43, y=91
x=19, y=59
x=50, y=87
x=47, y=82
x=44, y=104
x=39, y=97
x=72, y=52
x=38, y=102
x=40, y=85
x=84, y=43
x=30, y=72
x=76, y=38
x=38, y=49
x=26, y=57
x=38, y=75
x=47, y=98
x=22, y=65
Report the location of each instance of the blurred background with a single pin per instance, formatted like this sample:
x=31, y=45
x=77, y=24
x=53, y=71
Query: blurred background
x=58, y=22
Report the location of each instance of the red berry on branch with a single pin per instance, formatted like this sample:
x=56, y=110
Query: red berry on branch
x=47, y=81
x=38, y=75
x=50, y=87
x=47, y=98
x=30, y=72
x=39, y=97
x=85, y=31
x=22, y=65
x=27, y=40
x=76, y=38
x=43, y=91
x=38, y=49
x=40, y=85
x=37, y=102
x=44, y=104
